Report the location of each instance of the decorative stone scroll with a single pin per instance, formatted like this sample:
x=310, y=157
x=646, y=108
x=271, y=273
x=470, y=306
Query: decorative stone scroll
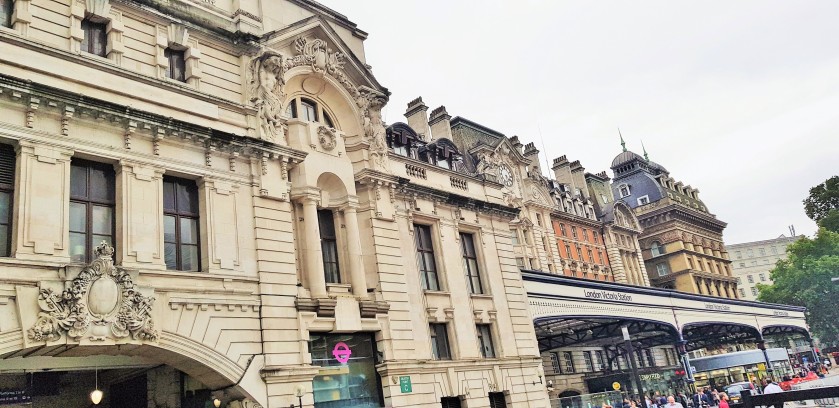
x=101, y=301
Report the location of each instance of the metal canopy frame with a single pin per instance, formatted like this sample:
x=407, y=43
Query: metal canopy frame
x=559, y=332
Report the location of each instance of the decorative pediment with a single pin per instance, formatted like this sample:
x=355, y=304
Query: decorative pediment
x=101, y=302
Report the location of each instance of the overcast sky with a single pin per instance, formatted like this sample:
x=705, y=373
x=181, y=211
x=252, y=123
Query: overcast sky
x=738, y=99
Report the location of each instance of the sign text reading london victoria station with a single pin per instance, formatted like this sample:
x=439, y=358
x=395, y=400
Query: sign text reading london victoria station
x=607, y=295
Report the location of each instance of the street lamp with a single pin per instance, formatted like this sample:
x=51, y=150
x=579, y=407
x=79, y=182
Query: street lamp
x=631, y=352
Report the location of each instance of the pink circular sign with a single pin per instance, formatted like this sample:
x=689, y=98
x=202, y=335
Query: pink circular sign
x=342, y=352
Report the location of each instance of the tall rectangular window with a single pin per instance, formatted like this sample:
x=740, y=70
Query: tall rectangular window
x=589, y=362
x=514, y=234
x=568, y=251
x=497, y=400
x=562, y=229
x=6, y=11
x=329, y=246
x=439, y=342
x=574, y=232
x=485, y=340
x=568, y=363
x=425, y=257
x=470, y=263
x=95, y=39
x=650, y=360
x=91, y=208
x=7, y=186
x=180, y=224
x=450, y=402
x=177, y=64
x=599, y=363
x=555, y=363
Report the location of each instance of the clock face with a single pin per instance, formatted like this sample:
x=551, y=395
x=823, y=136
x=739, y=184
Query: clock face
x=505, y=175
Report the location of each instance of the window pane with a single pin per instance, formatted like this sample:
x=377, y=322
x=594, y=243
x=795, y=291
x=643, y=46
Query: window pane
x=169, y=234
x=102, y=220
x=86, y=39
x=100, y=39
x=170, y=252
x=189, y=231
x=187, y=198
x=189, y=258
x=326, y=224
x=4, y=240
x=97, y=239
x=168, y=196
x=78, y=181
x=101, y=184
x=78, y=217
x=308, y=111
x=77, y=247
x=5, y=199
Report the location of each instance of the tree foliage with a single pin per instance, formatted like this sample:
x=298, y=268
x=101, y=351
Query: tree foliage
x=823, y=198
x=830, y=221
x=804, y=279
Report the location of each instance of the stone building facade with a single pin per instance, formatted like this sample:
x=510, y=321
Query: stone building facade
x=203, y=202
x=681, y=240
x=752, y=261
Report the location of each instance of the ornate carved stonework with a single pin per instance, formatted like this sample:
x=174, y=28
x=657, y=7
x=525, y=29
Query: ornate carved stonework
x=102, y=301
x=266, y=89
x=327, y=138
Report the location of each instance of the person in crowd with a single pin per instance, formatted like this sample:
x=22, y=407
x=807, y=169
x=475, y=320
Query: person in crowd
x=715, y=397
x=649, y=400
x=709, y=396
x=723, y=400
x=682, y=399
x=771, y=387
x=827, y=363
x=699, y=398
x=671, y=403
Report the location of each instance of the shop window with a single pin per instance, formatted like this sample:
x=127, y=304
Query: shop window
x=180, y=224
x=470, y=263
x=329, y=246
x=177, y=64
x=425, y=257
x=95, y=37
x=440, y=342
x=7, y=181
x=485, y=340
x=347, y=373
x=497, y=400
x=6, y=12
x=588, y=361
x=91, y=208
x=657, y=249
x=450, y=402
x=567, y=363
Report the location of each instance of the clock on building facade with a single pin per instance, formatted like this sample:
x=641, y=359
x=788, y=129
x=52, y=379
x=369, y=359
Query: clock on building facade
x=505, y=175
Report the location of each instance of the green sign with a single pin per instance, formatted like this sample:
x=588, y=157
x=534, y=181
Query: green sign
x=405, y=384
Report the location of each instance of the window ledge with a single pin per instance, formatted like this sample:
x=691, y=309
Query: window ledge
x=339, y=288
x=481, y=296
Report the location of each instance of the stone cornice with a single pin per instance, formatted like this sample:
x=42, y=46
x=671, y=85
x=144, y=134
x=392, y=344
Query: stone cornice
x=575, y=218
x=134, y=120
x=683, y=212
x=406, y=188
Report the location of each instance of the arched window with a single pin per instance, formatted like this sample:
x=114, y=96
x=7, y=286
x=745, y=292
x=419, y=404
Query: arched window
x=308, y=110
x=624, y=191
x=657, y=249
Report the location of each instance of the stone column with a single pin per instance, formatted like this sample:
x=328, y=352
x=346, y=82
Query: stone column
x=357, y=279
x=314, y=255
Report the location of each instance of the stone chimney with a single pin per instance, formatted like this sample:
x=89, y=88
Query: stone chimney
x=441, y=127
x=417, y=117
x=514, y=140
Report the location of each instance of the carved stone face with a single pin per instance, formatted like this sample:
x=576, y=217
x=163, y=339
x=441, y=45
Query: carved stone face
x=505, y=175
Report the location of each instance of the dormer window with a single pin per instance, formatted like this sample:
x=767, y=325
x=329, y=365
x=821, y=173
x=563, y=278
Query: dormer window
x=644, y=200
x=95, y=37
x=402, y=140
x=624, y=190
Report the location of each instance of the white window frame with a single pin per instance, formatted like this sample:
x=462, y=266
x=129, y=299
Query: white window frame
x=628, y=190
x=643, y=200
